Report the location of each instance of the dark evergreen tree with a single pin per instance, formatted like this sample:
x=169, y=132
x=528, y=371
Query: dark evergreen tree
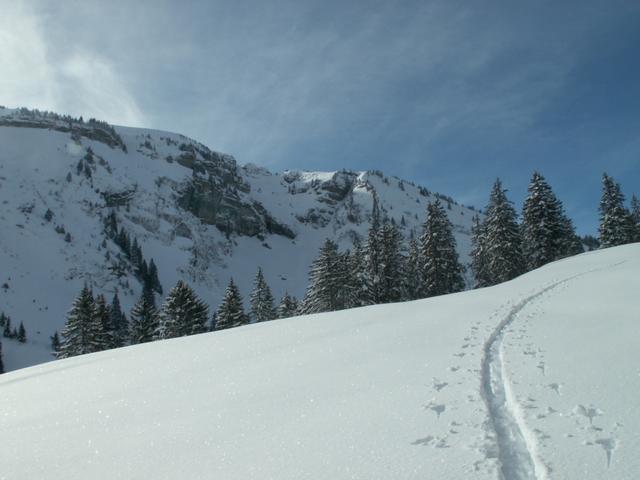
x=391, y=269
x=118, y=322
x=570, y=243
x=288, y=306
x=479, y=254
x=22, y=334
x=615, y=220
x=111, y=225
x=136, y=256
x=3, y=319
x=261, y=299
x=323, y=293
x=55, y=342
x=1, y=361
x=182, y=313
x=103, y=318
x=144, y=318
x=360, y=275
x=373, y=255
x=82, y=333
x=635, y=217
x=542, y=227
x=501, y=240
x=441, y=270
x=6, y=332
x=413, y=281
x=231, y=311
x=152, y=277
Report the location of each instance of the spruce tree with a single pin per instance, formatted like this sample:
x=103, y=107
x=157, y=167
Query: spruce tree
x=55, y=342
x=360, y=275
x=22, y=334
x=391, y=269
x=288, y=306
x=182, y=313
x=231, y=311
x=479, y=254
x=413, y=272
x=570, y=243
x=261, y=299
x=1, y=361
x=615, y=220
x=635, y=217
x=441, y=270
x=152, y=277
x=542, y=227
x=501, y=239
x=323, y=292
x=373, y=254
x=118, y=322
x=82, y=332
x=144, y=318
x=6, y=331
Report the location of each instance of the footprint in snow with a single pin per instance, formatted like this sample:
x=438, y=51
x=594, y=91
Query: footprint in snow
x=588, y=412
x=438, y=385
x=555, y=387
x=439, y=408
x=608, y=445
x=542, y=367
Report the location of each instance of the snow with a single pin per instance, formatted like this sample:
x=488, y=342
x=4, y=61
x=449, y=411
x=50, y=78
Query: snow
x=437, y=388
x=44, y=273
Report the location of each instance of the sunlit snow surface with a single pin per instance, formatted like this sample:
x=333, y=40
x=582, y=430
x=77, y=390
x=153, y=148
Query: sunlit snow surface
x=390, y=392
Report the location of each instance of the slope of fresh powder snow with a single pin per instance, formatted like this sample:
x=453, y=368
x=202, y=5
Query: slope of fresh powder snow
x=532, y=379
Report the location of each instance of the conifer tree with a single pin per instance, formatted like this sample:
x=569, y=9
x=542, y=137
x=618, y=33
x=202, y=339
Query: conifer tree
x=231, y=311
x=118, y=322
x=103, y=318
x=391, y=269
x=152, y=277
x=501, y=240
x=144, y=318
x=288, y=306
x=441, y=270
x=82, y=333
x=6, y=332
x=1, y=361
x=22, y=334
x=261, y=299
x=635, y=217
x=360, y=275
x=570, y=243
x=323, y=292
x=182, y=313
x=542, y=227
x=55, y=342
x=479, y=254
x=413, y=272
x=3, y=319
x=373, y=255
x=615, y=220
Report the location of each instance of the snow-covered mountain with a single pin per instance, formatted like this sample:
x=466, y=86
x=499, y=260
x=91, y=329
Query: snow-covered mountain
x=536, y=378
x=201, y=217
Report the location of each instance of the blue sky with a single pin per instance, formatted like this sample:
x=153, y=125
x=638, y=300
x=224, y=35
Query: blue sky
x=449, y=94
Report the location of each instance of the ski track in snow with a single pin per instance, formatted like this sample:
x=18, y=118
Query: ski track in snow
x=517, y=445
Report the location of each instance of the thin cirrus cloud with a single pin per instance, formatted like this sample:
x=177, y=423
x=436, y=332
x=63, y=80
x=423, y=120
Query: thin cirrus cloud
x=80, y=83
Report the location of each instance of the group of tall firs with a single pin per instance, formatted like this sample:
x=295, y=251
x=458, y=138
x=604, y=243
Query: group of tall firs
x=382, y=269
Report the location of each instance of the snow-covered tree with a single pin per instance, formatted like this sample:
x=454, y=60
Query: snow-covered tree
x=231, y=311
x=261, y=299
x=1, y=361
x=82, y=332
x=373, y=256
x=502, y=244
x=119, y=323
x=103, y=318
x=413, y=272
x=615, y=220
x=288, y=306
x=144, y=318
x=479, y=254
x=22, y=334
x=182, y=313
x=323, y=293
x=441, y=270
x=391, y=268
x=542, y=226
x=360, y=275
x=635, y=217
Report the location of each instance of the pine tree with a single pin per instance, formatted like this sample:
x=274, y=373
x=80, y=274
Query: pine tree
x=119, y=323
x=441, y=270
x=502, y=245
x=323, y=292
x=55, y=342
x=103, y=318
x=6, y=332
x=391, y=264
x=479, y=254
x=570, y=243
x=82, y=333
x=261, y=299
x=144, y=318
x=360, y=275
x=615, y=220
x=22, y=334
x=182, y=313
x=136, y=255
x=413, y=272
x=1, y=361
x=152, y=277
x=542, y=226
x=231, y=311
x=635, y=217
x=373, y=254
x=288, y=306
x=3, y=319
